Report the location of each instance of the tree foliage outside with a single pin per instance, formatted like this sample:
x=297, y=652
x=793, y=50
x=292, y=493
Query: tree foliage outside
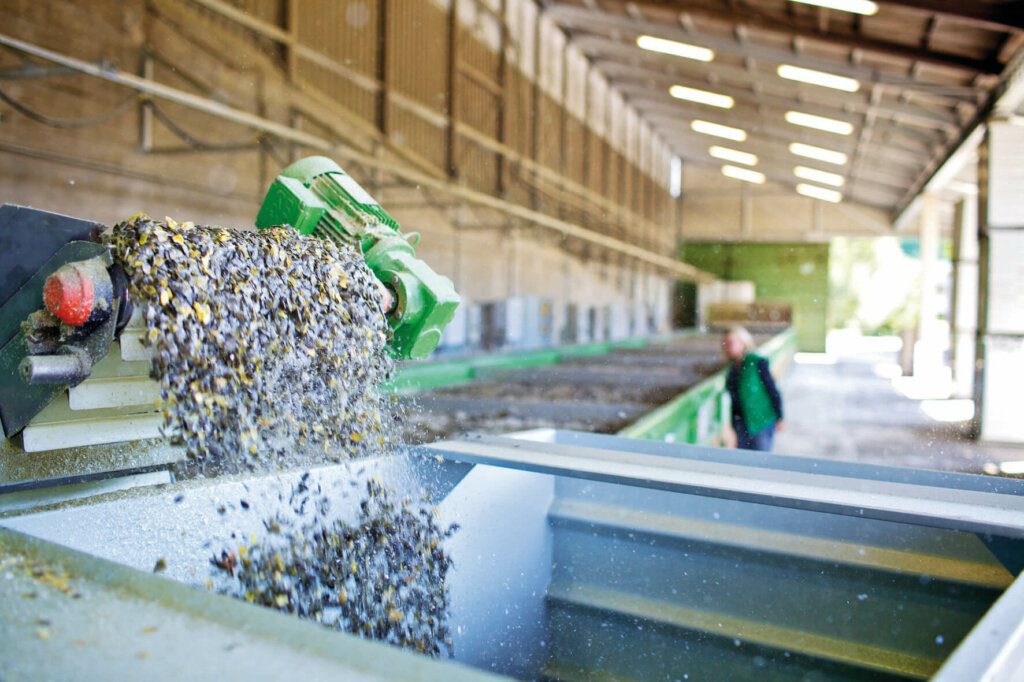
x=873, y=285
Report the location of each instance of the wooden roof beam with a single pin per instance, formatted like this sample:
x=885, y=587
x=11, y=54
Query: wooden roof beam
x=665, y=115
x=835, y=35
x=991, y=15
x=777, y=157
x=774, y=89
x=756, y=112
x=764, y=100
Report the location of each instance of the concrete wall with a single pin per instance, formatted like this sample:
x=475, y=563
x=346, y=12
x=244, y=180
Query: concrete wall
x=791, y=273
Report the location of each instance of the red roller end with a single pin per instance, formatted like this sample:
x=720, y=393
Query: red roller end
x=69, y=294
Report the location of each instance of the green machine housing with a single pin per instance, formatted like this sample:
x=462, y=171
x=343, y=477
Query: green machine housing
x=315, y=196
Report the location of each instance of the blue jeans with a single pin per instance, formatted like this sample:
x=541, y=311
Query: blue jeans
x=763, y=441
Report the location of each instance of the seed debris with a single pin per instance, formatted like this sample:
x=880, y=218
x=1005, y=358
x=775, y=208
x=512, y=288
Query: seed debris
x=382, y=577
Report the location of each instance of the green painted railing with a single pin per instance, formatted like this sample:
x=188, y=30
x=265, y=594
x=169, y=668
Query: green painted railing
x=699, y=415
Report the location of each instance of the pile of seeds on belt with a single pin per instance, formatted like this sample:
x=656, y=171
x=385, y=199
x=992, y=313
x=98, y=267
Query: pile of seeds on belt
x=381, y=577
x=268, y=346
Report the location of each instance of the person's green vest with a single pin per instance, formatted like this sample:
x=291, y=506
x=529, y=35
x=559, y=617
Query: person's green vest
x=755, y=403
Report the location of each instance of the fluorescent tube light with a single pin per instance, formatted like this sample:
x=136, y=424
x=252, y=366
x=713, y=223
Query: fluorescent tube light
x=819, y=176
x=744, y=174
x=701, y=96
x=865, y=7
x=733, y=155
x=825, y=80
x=829, y=125
x=819, y=154
x=676, y=49
x=718, y=130
x=816, y=192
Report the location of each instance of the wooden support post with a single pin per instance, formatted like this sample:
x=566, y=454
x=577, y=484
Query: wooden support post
x=563, y=131
x=585, y=178
x=646, y=206
x=146, y=108
x=606, y=151
x=261, y=155
x=536, y=111
x=452, y=141
x=503, y=99
x=383, y=67
x=291, y=25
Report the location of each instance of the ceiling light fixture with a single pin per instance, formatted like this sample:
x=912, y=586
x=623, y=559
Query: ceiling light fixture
x=718, y=130
x=825, y=80
x=820, y=176
x=865, y=7
x=818, y=153
x=733, y=155
x=676, y=49
x=744, y=174
x=816, y=192
x=828, y=125
x=701, y=96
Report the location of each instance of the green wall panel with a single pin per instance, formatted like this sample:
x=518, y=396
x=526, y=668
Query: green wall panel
x=794, y=273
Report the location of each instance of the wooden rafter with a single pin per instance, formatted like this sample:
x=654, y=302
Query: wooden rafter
x=833, y=33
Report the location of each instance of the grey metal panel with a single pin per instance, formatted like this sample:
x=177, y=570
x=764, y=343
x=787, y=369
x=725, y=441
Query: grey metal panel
x=135, y=625
x=867, y=545
x=503, y=562
x=20, y=470
x=797, y=654
x=942, y=479
x=497, y=587
x=980, y=512
x=994, y=650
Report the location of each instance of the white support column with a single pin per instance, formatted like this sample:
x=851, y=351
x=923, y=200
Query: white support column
x=746, y=211
x=964, y=297
x=1000, y=337
x=929, y=347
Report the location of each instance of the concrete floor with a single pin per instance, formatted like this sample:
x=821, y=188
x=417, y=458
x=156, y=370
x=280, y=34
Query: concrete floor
x=846, y=404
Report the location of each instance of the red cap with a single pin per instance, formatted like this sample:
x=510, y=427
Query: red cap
x=69, y=294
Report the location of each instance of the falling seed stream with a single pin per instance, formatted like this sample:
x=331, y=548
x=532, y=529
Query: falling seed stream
x=268, y=347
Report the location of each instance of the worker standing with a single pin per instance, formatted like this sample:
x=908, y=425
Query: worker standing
x=756, y=402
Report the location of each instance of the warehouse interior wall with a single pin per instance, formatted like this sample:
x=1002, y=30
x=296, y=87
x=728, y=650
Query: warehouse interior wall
x=717, y=208
x=793, y=273
x=482, y=94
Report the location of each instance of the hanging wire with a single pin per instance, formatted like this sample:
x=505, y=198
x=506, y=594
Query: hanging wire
x=188, y=137
x=67, y=124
